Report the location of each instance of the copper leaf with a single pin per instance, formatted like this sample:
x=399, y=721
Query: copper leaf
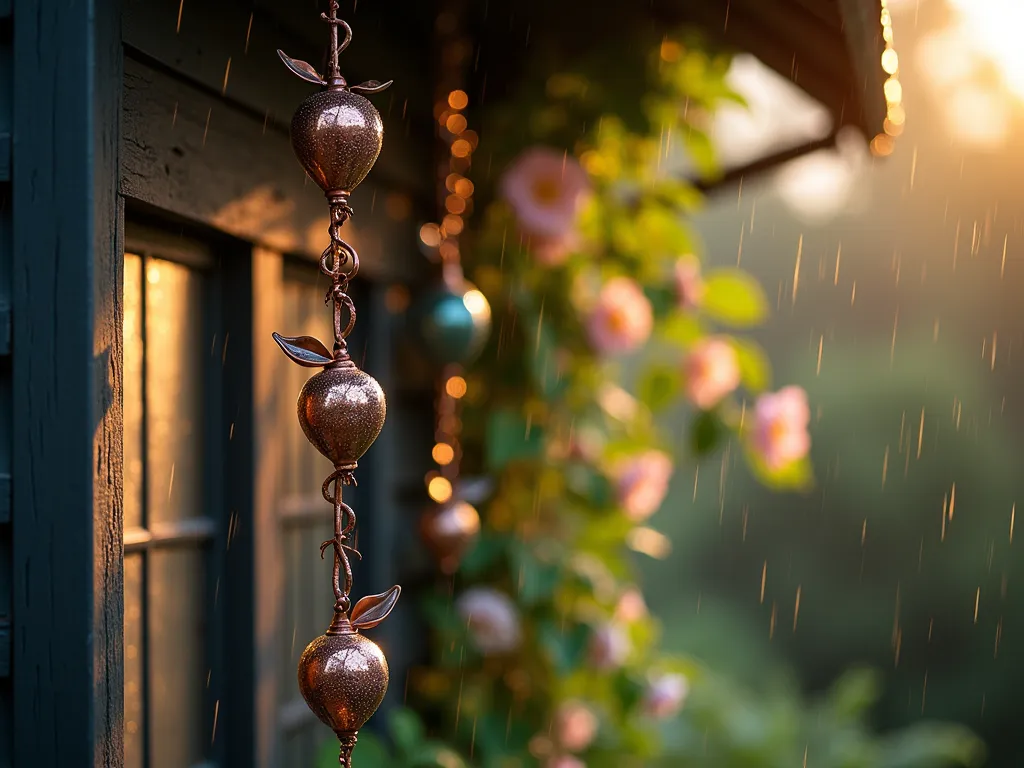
x=373, y=609
x=371, y=86
x=305, y=350
x=301, y=68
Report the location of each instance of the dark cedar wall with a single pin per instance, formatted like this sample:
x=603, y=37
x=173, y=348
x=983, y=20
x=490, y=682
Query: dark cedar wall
x=6, y=83
x=64, y=254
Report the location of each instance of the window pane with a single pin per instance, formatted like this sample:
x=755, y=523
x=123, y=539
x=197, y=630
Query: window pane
x=177, y=663
x=134, y=716
x=174, y=390
x=303, y=309
x=132, y=391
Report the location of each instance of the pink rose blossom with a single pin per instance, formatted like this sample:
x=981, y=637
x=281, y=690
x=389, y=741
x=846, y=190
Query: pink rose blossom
x=546, y=190
x=575, y=726
x=780, y=427
x=623, y=318
x=666, y=695
x=492, y=619
x=610, y=646
x=631, y=607
x=689, y=283
x=565, y=761
x=712, y=372
x=643, y=483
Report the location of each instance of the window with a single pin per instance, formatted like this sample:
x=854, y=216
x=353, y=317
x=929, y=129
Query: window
x=169, y=520
x=224, y=517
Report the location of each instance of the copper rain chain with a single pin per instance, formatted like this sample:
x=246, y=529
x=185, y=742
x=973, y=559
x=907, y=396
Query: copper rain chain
x=337, y=136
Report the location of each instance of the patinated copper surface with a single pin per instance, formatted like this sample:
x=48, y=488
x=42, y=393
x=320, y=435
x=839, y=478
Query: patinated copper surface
x=342, y=411
x=343, y=679
x=337, y=136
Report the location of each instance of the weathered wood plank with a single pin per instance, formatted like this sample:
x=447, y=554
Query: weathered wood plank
x=5, y=156
x=67, y=608
x=5, y=649
x=5, y=492
x=195, y=156
x=231, y=49
x=5, y=328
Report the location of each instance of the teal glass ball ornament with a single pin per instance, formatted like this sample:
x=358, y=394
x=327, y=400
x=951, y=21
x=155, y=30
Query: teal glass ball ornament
x=452, y=323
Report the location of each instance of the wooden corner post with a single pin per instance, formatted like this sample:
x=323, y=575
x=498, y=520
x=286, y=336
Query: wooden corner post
x=67, y=259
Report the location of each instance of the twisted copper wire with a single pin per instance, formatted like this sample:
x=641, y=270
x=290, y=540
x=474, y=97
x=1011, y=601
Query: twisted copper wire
x=344, y=525
x=340, y=263
x=348, y=745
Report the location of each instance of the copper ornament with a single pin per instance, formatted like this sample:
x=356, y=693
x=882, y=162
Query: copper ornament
x=342, y=411
x=337, y=136
x=448, y=531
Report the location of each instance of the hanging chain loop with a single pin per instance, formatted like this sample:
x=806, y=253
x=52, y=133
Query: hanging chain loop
x=340, y=263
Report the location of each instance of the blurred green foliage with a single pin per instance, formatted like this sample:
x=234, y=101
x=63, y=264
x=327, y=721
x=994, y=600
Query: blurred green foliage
x=555, y=420
x=907, y=534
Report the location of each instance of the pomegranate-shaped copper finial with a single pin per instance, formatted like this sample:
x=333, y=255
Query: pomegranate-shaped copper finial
x=336, y=134
x=343, y=676
x=341, y=409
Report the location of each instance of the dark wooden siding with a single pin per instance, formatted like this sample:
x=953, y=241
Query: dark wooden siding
x=63, y=255
x=6, y=86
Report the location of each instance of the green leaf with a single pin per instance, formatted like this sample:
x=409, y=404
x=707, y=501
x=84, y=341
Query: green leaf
x=654, y=231
x=628, y=689
x=536, y=580
x=928, y=745
x=735, y=298
x=406, y=731
x=564, y=646
x=585, y=482
x=435, y=753
x=681, y=329
x=663, y=300
x=659, y=387
x=755, y=368
x=487, y=550
x=855, y=693
x=707, y=433
x=510, y=438
x=797, y=476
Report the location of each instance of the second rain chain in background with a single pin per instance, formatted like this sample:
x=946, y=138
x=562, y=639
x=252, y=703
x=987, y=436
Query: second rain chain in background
x=337, y=135
x=452, y=320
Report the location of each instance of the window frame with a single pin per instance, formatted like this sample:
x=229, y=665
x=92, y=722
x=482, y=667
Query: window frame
x=225, y=531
